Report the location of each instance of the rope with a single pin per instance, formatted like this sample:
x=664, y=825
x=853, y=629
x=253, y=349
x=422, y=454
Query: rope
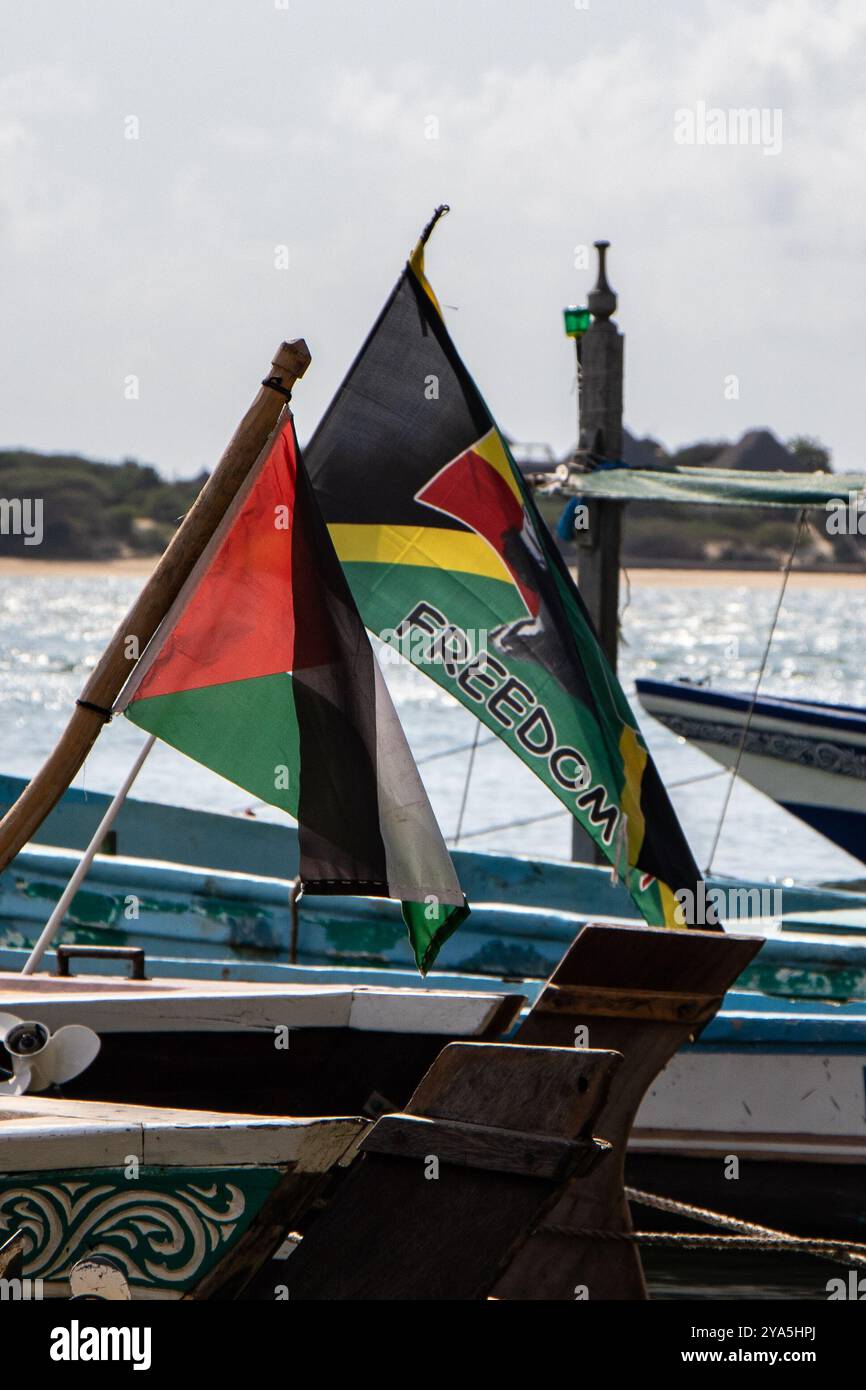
x=626, y=606
x=105, y=714
x=466, y=783
x=524, y=820
x=749, y=1235
x=733, y=1223
x=705, y=1214
x=274, y=384
x=801, y=521
x=835, y=1250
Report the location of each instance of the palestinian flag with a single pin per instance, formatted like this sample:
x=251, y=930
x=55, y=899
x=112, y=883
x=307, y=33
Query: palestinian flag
x=449, y=559
x=262, y=671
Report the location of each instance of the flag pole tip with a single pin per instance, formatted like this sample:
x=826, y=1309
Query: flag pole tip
x=438, y=212
x=292, y=357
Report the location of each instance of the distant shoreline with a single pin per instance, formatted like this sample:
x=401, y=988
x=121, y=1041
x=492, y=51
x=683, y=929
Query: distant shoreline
x=702, y=576
x=678, y=577
x=68, y=569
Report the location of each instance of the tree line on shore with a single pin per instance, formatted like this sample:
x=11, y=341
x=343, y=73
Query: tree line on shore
x=93, y=511
x=105, y=511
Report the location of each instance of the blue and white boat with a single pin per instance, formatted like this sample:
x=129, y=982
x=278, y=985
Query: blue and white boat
x=808, y=756
x=203, y=885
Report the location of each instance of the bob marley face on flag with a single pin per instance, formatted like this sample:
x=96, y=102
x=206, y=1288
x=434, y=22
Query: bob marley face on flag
x=263, y=671
x=448, y=557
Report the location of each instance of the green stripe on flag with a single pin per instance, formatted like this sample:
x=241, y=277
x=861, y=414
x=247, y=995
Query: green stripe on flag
x=245, y=730
x=429, y=928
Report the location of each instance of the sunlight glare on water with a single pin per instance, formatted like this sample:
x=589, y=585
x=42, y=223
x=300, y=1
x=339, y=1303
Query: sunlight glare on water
x=52, y=631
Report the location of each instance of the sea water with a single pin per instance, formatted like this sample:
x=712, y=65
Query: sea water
x=53, y=629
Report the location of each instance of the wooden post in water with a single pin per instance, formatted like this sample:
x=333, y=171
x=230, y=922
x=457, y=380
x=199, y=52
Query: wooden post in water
x=129, y=641
x=600, y=433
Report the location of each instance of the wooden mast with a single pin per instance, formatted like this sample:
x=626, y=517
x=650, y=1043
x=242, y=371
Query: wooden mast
x=132, y=636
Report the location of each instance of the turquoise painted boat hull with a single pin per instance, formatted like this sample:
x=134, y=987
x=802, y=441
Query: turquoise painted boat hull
x=196, y=885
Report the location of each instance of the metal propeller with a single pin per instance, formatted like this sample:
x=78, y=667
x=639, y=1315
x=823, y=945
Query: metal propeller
x=41, y=1058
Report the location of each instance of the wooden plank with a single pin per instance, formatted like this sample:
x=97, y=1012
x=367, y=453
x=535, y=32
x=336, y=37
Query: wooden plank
x=55, y=1143
x=483, y=1146
x=392, y=1235
x=636, y=962
x=12, y=1253
x=451, y=1013
x=308, y=1146
x=149, y=1006
x=551, y=1091
x=739, y=1093
x=192, y=1011
x=602, y=1001
x=397, y=1227
x=37, y=1132
x=654, y=958
x=250, y=1255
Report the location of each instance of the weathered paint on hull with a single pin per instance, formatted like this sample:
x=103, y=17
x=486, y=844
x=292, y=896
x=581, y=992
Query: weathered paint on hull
x=186, y=912
x=197, y=884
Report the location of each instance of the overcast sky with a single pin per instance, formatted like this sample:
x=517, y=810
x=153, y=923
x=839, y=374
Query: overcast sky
x=309, y=126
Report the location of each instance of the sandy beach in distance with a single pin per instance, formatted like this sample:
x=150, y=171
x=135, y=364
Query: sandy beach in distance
x=70, y=569
x=750, y=579
x=679, y=578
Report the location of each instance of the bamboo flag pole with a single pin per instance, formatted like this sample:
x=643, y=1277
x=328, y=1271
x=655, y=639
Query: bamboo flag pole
x=55, y=921
x=129, y=641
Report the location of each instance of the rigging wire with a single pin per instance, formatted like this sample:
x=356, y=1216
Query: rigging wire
x=801, y=521
x=562, y=811
x=458, y=748
x=456, y=840
x=512, y=824
x=699, y=777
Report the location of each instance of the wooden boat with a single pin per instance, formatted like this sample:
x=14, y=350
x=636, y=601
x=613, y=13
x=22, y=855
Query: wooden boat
x=776, y=1081
x=178, y=1199
x=808, y=756
x=755, y=1053
x=289, y=1048
x=781, y=1089
x=755, y=1035
x=209, y=1119
x=197, y=1203
x=644, y=991
x=773, y=1029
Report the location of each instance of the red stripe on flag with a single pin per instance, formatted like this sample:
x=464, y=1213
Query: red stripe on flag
x=240, y=622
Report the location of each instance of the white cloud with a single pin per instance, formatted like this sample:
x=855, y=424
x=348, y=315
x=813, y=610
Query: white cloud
x=726, y=261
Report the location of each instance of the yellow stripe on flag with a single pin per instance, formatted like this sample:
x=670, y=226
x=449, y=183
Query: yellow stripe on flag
x=416, y=265
x=634, y=757
x=670, y=907
x=492, y=450
x=429, y=546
